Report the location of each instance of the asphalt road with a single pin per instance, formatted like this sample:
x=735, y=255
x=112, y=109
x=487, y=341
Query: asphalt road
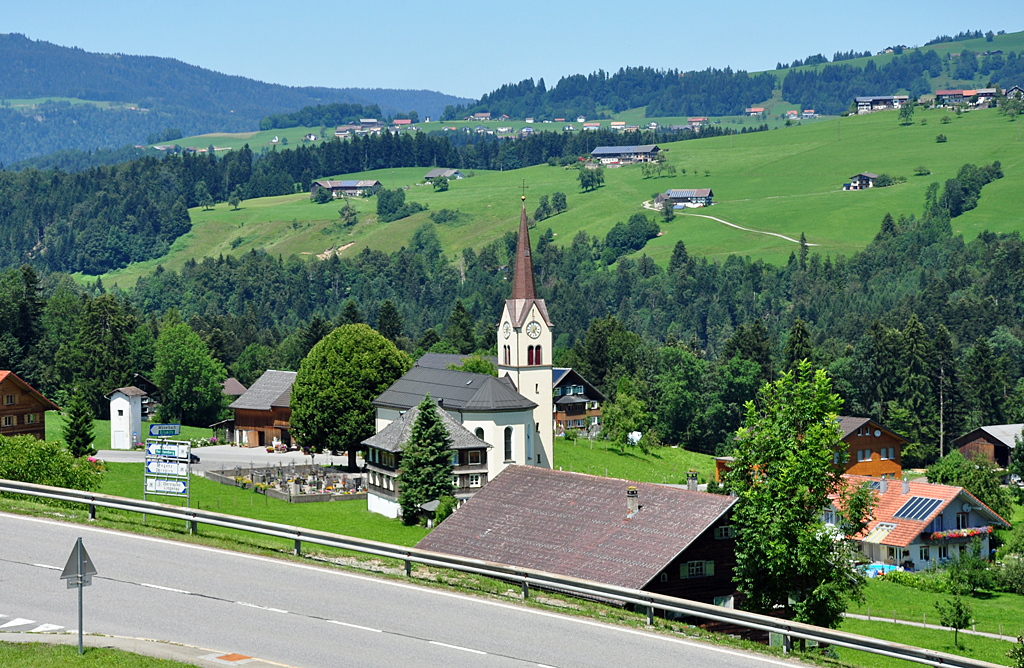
x=302, y=615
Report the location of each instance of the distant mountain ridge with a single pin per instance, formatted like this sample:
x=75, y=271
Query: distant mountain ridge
x=175, y=94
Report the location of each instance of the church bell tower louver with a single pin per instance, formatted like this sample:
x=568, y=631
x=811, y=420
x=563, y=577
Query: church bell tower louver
x=524, y=349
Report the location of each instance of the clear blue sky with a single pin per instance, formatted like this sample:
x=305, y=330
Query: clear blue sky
x=469, y=48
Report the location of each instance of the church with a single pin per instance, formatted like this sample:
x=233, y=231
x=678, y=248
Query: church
x=503, y=421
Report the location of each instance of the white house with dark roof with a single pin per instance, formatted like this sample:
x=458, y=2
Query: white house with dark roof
x=126, y=417
x=625, y=154
x=471, y=461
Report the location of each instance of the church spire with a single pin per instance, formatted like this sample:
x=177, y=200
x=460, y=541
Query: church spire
x=522, y=280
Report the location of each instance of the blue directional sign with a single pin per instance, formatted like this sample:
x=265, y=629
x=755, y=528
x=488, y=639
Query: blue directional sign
x=167, y=450
x=175, y=487
x=179, y=469
x=165, y=430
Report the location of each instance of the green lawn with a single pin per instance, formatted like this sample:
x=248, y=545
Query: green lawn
x=975, y=647
x=787, y=181
x=990, y=609
x=101, y=430
x=44, y=655
x=349, y=518
x=665, y=465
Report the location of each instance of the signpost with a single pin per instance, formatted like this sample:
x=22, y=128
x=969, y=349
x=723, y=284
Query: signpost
x=78, y=572
x=168, y=466
x=164, y=430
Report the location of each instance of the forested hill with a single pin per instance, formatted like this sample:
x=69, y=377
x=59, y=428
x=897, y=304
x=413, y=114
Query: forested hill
x=176, y=94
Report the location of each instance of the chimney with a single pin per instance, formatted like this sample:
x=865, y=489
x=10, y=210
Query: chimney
x=883, y=486
x=906, y=485
x=632, y=502
x=440, y=402
x=691, y=480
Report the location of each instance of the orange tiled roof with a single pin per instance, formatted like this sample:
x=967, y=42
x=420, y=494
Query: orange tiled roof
x=888, y=504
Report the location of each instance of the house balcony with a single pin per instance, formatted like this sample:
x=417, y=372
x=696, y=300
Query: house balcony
x=955, y=535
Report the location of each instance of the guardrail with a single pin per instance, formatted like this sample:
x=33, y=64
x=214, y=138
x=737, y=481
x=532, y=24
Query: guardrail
x=527, y=577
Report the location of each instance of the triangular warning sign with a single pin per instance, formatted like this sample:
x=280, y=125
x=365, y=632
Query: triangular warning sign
x=71, y=568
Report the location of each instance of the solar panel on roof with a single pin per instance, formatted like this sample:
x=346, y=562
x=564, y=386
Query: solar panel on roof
x=917, y=508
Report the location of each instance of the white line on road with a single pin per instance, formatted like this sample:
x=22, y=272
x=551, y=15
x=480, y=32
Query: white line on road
x=544, y=665
x=461, y=649
x=353, y=626
x=153, y=586
x=52, y=568
x=20, y=621
x=261, y=607
x=45, y=628
x=418, y=588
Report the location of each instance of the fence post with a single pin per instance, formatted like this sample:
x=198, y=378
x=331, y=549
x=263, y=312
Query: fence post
x=650, y=614
x=92, y=511
x=526, y=588
x=193, y=526
x=298, y=547
x=408, y=568
x=787, y=644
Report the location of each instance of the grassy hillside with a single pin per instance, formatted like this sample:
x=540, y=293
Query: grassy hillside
x=786, y=181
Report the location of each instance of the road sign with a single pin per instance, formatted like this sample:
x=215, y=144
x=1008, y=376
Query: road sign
x=167, y=450
x=78, y=572
x=179, y=469
x=164, y=429
x=157, y=486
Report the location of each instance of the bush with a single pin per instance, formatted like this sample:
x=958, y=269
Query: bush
x=922, y=171
x=940, y=139
x=885, y=180
x=446, y=505
x=930, y=581
x=25, y=459
x=446, y=216
x=1010, y=577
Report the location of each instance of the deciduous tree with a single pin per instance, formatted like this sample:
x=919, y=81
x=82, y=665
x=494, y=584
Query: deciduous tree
x=189, y=378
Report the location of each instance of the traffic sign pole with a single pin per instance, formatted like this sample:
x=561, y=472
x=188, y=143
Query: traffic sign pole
x=78, y=571
x=81, y=586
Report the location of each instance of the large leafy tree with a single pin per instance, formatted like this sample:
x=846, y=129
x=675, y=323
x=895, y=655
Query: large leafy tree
x=188, y=376
x=788, y=560
x=336, y=383
x=426, y=473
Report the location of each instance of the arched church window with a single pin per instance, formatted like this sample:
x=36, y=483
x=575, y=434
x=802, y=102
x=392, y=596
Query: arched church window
x=529, y=356
x=536, y=356
x=508, y=444
x=480, y=433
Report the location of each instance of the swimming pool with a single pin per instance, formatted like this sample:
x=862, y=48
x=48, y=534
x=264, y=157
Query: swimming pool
x=876, y=569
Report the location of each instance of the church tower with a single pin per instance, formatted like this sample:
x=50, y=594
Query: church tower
x=524, y=350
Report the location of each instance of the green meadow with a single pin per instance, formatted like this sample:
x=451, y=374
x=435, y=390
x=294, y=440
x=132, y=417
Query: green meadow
x=664, y=465
x=786, y=181
x=101, y=430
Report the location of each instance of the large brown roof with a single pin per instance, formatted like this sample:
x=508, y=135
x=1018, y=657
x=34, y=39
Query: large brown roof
x=47, y=404
x=849, y=424
x=575, y=524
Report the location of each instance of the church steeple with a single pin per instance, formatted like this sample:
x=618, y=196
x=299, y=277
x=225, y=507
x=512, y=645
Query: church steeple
x=522, y=280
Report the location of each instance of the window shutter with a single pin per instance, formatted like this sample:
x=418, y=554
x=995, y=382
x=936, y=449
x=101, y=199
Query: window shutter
x=709, y=568
x=684, y=571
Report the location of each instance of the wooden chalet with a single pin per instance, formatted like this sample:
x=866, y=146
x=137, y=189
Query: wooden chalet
x=450, y=174
x=861, y=181
x=599, y=529
x=22, y=408
x=624, y=154
x=995, y=442
x=262, y=414
x=577, y=402
x=348, y=188
x=681, y=197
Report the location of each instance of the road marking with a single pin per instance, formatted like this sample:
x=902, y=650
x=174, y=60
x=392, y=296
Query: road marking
x=353, y=626
x=45, y=628
x=544, y=665
x=172, y=589
x=462, y=649
x=52, y=568
x=415, y=587
x=261, y=607
x=20, y=621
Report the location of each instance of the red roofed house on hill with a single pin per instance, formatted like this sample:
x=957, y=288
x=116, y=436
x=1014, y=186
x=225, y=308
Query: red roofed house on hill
x=629, y=534
x=918, y=524
x=22, y=408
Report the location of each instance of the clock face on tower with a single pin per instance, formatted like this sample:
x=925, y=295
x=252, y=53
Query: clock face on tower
x=506, y=329
x=533, y=329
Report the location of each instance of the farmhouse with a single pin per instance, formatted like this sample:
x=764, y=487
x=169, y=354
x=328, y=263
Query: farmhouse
x=151, y=398
x=345, y=130
x=808, y=113
x=449, y=174
x=949, y=96
x=869, y=103
x=861, y=181
x=511, y=414
x=918, y=524
x=628, y=534
x=618, y=125
x=22, y=409
x=384, y=459
x=345, y=188
x=592, y=127
x=754, y=111
x=482, y=116
x=681, y=198
x=626, y=154
x=1014, y=93
x=262, y=414
x=996, y=442
x=577, y=402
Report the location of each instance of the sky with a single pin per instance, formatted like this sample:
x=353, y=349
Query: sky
x=470, y=48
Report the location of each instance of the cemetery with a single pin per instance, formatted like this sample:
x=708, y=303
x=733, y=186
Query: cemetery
x=295, y=484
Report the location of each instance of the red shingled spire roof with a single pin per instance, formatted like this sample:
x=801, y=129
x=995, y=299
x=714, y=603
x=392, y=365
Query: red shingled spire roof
x=522, y=281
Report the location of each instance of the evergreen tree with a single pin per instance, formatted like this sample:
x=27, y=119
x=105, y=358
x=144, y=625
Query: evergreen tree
x=426, y=469
x=78, y=433
x=350, y=315
x=459, y=332
x=798, y=345
x=986, y=386
x=389, y=321
x=316, y=330
x=915, y=394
